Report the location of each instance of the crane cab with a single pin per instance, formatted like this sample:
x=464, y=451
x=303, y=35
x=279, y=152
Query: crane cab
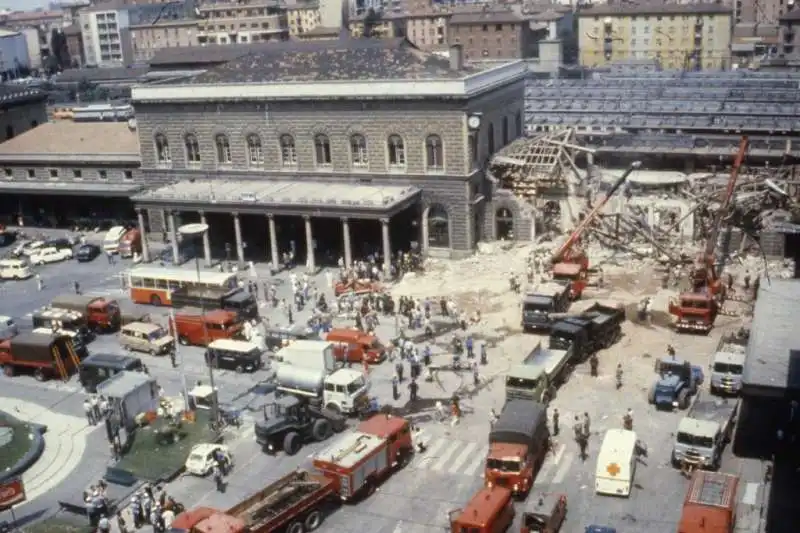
x=574, y=274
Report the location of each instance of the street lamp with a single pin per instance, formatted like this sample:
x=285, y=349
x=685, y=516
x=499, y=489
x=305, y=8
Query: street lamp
x=195, y=232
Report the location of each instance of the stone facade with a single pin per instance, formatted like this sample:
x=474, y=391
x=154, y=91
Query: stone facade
x=110, y=172
x=18, y=119
x=459, y=187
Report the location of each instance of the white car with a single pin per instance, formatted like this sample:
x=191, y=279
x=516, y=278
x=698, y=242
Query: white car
x=27, y=247
x=201, y=458
x=49, y=255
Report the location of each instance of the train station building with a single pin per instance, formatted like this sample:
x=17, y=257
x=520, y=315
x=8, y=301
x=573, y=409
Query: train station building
x=329, y=149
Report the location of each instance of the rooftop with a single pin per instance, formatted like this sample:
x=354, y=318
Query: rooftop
x=66, y=188
x=655, y=8
x=77, y=75
x=773, y=353
x=92, y=141
x=486, y=16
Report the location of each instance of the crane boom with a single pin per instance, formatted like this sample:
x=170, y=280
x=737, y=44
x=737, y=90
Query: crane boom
x=726, y=200
x=564, y=249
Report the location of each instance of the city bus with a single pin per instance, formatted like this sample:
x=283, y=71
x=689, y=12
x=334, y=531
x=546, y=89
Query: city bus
x=154, y=285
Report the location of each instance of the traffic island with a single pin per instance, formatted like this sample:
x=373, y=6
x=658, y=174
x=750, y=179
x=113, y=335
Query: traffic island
x=21, y=445
x=57, y=524
x=156, y=453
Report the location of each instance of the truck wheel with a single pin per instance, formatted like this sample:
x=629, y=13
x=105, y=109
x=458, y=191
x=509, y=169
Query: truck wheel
x=155, y=300
x=38, y=375
x=239, y=369
x=295, y=527
x=333, y=408
x=651, y=395
x=321, y=430
x=183, y=340
x=291, y=444
x=313, y=520
x=683, y=399
x=8, y=370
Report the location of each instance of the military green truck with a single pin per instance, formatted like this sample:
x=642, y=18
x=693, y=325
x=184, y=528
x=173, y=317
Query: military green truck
x=539, y=375
x=703, y=433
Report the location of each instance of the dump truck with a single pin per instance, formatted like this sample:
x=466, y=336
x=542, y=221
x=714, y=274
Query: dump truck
x=237, y=300
x=45, y=356
x=359, y=460
x=543, y=305
x=710, y=503
x=703, y=434
x=539, y=374
x=727, y=365
x=102, y=314
x=518, y=443
x=602, y=325
x=294, y=503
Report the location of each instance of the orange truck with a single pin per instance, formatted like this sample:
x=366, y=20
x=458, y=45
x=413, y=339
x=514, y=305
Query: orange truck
x=491, y=510
x=360, y=460
x=102, y=314
x=195, y=327
x=45, y=356
x=518, y=444
x=710, y=504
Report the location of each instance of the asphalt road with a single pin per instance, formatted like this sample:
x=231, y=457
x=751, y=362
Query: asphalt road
x=419, y=498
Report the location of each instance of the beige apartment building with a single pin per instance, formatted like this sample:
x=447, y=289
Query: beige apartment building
x=678, y=36
x=302, y=18
x=149, y=38
x=385, y=28
x=428, y=30
x=242, y=21
x=491, y=34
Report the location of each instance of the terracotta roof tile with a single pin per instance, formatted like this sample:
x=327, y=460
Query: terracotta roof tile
x=74, y=138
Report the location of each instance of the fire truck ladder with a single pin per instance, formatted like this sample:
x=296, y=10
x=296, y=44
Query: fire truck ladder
x=358, y=444
x=73, y=357
x=59, y=364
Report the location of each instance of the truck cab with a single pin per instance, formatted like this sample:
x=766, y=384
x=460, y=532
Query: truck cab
x=354, y=346
x=694, y=312
x=546, y=513
x=676, y=383
x=727, y=365
x=102, y=315
x=70, y=323
x=491, y=510
x=518, y=444
x=574, y=274
x=341, y=391
x=570, y=335
x=130, y=244
x=538, y=374
x=703, y=434
x=196, y=328
x=540, y=304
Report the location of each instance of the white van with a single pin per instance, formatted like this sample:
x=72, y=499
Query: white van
x=15, y=269
x=616, y=463
x=112, y=239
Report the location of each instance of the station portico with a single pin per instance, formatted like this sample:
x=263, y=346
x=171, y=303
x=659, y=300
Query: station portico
x=267, y=207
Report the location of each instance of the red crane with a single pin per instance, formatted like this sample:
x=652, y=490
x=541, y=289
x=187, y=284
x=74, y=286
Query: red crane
x=570, y=263
x=697, y=310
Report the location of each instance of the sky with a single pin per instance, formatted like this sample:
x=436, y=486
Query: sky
x=23, y=5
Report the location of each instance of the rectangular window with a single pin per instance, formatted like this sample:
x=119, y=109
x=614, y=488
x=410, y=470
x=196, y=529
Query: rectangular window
x=128, y=174
x=31, y=173
x=102, y=174
x=53, y=173
x=8, y=172
x=77, y=174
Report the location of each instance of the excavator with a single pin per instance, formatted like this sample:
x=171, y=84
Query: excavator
x=697, y=310
x=570, y=262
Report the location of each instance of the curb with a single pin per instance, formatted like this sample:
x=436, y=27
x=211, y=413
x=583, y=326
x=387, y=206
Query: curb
x=33, y=454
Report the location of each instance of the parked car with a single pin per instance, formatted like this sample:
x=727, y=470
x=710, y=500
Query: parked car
x=26, y=247
x=201, y=459
x=61, y=243
x=49, y=255
x=87, y=253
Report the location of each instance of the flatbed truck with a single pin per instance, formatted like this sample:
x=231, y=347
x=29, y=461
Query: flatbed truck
x=537, y=377
x=703, y=434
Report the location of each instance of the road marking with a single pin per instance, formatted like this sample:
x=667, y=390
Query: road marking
x=462, y=457
x=548, y=466
x=478, y=462
x=561, y=473
x=427, y=455
x=750, y=494
x=446, y=455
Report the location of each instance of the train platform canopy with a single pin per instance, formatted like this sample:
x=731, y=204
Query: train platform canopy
x=320, y=198
x=772, y=367
x=59, y=188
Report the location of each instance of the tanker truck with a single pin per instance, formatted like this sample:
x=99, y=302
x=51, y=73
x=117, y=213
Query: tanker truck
x=342, y=391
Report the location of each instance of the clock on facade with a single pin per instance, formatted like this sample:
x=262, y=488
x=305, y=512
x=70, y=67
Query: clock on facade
x=474, y=122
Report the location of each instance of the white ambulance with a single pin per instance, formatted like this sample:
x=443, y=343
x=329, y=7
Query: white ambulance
x=616, y=463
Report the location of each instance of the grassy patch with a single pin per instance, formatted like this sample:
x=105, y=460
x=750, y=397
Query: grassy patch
x=20, y=442
x=152, y=458
x=57, y=525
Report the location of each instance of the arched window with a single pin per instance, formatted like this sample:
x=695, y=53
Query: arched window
x=490, y=139
x=504, y=224
x=192, y=148
x=506, y=133
x=322, y=150
x=397, y=151
x=519, y=124
x=255, y=153
x=223, y=146
x=358, y=151
x=434, y=153
x=288, y=151
x=438, y=227
x=163, y=154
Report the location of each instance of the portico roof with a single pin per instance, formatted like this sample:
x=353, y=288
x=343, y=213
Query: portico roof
x=76, y=188
x=282, y=197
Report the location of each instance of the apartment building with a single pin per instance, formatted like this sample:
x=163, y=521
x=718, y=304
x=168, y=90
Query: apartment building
x=761, y=12
x=302, y=18
x=146, y=39
x=491, y=34
x=75, y=43
x=689, y=36
x=242, y=21
x=428, y=29
x=37, y=26
x=383, y=27
x=789, y=34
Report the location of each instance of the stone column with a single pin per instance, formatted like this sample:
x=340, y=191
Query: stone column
x=589, y=158
x=311, y=262
x=206, y=241
x=237, y=228
x=348, y=249
x=273, y=242
x=173, y=237
x=387, y=246
x=423, y=233
x=143, y=233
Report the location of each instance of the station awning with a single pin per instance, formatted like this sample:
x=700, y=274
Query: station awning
x=56, y=188
x=315, y=198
